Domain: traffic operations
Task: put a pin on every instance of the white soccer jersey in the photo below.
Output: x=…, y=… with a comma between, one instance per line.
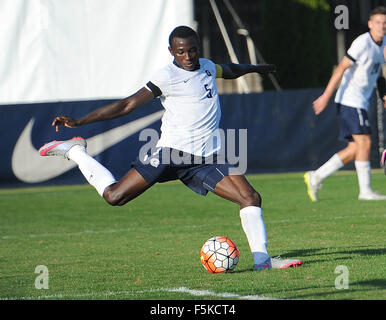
x=192, y=108
x=358, y=81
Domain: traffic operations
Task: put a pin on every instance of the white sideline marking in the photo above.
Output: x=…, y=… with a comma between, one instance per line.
x=201, y=293
x=197, y=293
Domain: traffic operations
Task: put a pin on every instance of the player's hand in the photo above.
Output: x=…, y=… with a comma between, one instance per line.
x=266, y=68
x=384, y=101
x=320, y=104
x=64, y=121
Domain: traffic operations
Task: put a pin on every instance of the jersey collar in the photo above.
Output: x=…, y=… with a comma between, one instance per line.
x=379, y=44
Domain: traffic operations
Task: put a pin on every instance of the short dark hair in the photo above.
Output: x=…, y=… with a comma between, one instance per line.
x=378, y=10
x=182, y=32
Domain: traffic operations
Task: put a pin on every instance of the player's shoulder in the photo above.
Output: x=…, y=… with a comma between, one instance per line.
x=162, y=74
x=211, y=65
x=366, y=39
x=166, y=69
x=363, y=39
x=360, y=45
x=204, y=62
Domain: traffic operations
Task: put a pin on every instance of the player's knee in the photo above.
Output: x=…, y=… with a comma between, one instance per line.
x=352, y=149
x=364, y=142
x=350, y=156
x=252, y=198
x=113, y=198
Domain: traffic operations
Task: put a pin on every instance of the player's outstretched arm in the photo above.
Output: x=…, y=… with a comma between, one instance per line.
x=321, y=103
x=233, y=70
x=113, y=110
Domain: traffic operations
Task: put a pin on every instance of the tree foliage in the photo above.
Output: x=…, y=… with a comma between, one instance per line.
x=296, y=35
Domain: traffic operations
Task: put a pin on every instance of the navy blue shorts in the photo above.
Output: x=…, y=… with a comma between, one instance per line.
x=352, y=121
x=198, y=173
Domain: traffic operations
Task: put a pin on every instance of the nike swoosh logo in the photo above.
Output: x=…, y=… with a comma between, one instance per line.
x=29, y=166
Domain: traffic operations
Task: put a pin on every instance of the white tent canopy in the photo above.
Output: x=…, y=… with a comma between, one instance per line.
x=55, y=50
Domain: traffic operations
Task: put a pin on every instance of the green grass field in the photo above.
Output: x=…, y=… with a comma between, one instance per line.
x=149, y=248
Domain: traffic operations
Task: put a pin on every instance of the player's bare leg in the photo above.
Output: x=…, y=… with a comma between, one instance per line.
x=348, y=154
x=237, y=189
x=115, y=192
x=313, y=179
x=363, y=142
x=363, y=168
x=126, y=189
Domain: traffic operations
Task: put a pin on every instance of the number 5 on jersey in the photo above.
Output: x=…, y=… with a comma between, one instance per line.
x=209, y=95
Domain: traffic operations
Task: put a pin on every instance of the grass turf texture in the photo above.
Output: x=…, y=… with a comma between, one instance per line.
x=149, y=247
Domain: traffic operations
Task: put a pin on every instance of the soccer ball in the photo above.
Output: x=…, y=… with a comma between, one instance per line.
x=219, y=254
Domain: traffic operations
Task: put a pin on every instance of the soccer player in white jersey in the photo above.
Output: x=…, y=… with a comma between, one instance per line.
x=188, y=92
x=357, y=74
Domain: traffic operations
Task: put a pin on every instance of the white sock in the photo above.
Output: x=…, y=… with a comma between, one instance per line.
x=254, y=228
x=327, y=169
x=363, y=169
x=96, y=174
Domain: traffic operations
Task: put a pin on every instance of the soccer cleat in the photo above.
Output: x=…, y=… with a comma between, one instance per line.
x=263, y=266
x=312, y=185
x=278, y=263
x=61, y=148
x=383, y=161
x=371, y=196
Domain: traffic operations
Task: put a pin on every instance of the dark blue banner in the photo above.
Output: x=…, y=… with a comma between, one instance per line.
x=283, y=134
x=25, y=128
